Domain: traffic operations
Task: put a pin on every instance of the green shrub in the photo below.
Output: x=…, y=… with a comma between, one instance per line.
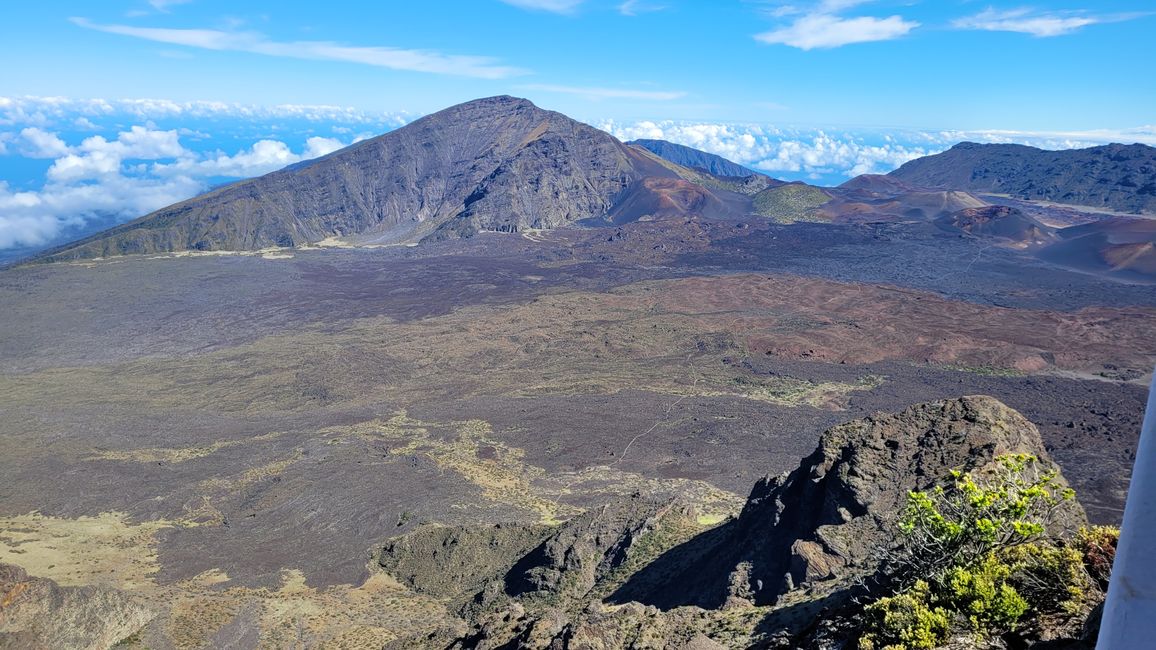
x=984, y=594
x=1051, y=577
x=961, y=524
x=977, y=554
x=905, y=620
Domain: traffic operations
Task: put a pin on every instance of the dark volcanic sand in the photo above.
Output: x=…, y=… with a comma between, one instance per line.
x=334, y=498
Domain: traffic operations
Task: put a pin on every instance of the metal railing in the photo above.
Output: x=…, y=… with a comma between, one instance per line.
x=1130, y=607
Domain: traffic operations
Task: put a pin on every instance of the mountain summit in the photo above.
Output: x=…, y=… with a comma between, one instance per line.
x=1115, y=176
x=495, y=164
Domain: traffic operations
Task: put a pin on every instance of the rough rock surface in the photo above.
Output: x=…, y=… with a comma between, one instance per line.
x=822, y=521
x=772, y=577
x=447, y=561
x=1116, y=176
x=38, y=613
x=499, y=164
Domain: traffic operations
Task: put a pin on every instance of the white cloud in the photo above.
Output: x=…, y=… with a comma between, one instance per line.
x=636, y=7
x=1053, y=139
x=256, y=43
x=41, y=144
x=164, y=5
x=97, y=178
x=44, y=111
x=553, y=6
x=97, y=157
x=837, y=156
x=823, y=30
x=607, y=93
x=316, y=147
x=1026, y=21
x=35, y=218
x=263, y=157
x=773, y=150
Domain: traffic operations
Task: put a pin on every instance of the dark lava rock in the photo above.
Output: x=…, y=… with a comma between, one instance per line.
x=823, y=522
x=802, y=542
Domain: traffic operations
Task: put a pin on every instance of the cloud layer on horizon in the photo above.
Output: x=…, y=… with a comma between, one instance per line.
x=42, y=111
x=108, y=159
x=100, y=159
x=834, y=155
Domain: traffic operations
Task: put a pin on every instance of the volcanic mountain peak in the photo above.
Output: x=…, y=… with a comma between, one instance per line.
x=499, y=163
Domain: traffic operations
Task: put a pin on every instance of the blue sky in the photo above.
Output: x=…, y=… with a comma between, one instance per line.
x=817, y=90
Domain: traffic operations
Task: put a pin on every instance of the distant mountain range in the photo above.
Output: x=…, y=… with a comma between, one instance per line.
x=502, y=164
x=1115, y=176
x=693, y=158
x=499, y=164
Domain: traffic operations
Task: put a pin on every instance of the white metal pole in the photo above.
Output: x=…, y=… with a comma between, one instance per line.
x=1130, y=608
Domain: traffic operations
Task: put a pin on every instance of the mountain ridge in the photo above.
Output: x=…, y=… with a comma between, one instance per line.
x=1114, y=176
x=499, y=163
x=693, y=158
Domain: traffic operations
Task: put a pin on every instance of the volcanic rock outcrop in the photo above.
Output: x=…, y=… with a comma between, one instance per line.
x=622, y=577
x=38, y=613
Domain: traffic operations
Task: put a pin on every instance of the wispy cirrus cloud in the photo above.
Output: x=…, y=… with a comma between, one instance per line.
x=608, y=93
x=428, y=61
x=552, y=6
x=638, y=7
x=1037, y=23
x=165, y=5
x=823, y=26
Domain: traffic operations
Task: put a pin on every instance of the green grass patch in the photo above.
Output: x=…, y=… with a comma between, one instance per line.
x=790, y=203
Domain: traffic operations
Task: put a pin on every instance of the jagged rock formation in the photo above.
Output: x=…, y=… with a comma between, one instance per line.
x=693, y=158
x=822, y=521
x=38, y=613
x=629, y=576
x=499, y=163
x=1116, y=176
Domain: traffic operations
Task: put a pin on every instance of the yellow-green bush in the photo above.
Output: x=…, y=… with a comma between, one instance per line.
x=984, y=594
x=906, y=620
x=976, y=554
x=1052, y=577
